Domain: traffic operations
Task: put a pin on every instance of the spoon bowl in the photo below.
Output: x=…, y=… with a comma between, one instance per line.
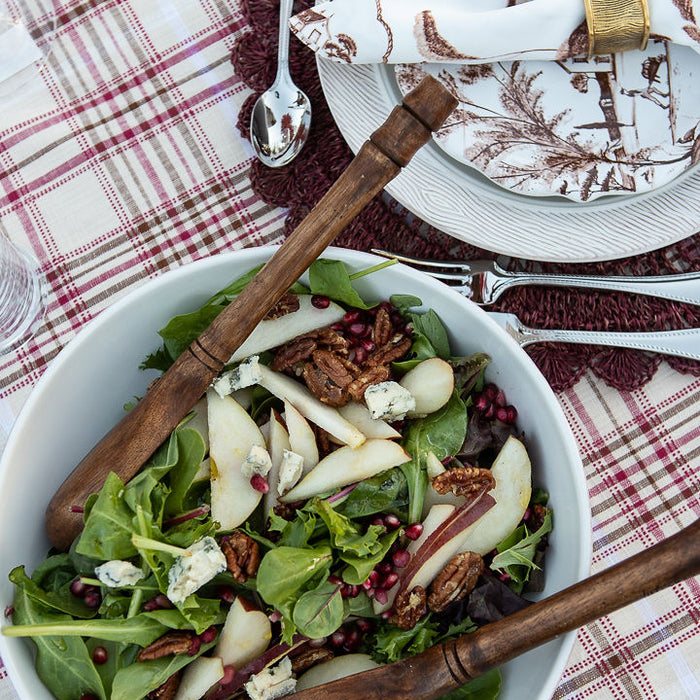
x=279, y=124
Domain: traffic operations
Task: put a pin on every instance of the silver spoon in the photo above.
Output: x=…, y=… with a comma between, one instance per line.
x=281, y=116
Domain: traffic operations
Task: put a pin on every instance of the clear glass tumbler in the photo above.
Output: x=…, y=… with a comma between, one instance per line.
x=21, y=295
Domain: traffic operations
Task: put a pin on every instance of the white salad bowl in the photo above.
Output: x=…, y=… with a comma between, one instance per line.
x=82, y=395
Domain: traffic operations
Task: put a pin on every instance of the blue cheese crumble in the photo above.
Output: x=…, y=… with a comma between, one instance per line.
x=389, y=401
x=273, y=682
x=118, y=573
x=245, y=375
x=258, y=461
x=197, y=566
x=291, y=469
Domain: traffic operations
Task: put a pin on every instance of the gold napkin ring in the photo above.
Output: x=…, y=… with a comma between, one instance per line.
x=616, y=25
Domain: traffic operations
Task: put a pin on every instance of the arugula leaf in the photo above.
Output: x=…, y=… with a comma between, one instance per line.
x=108, y=527
x=345, y=535
x=443, y=433
x=63, y=664
x=392, y=643
x=517, y=552
x=61, y=599
x=295, y=533
x=319, y=612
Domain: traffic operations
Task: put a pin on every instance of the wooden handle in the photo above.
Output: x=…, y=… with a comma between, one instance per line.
x=135, y=438
x=445, y=667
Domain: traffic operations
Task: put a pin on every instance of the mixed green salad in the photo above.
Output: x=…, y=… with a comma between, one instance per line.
x=348, y=493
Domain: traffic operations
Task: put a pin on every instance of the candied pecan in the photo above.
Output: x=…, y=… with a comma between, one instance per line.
x=339, y=370
x=242, y=555
x=536, y=520
x=175, y=642
x=464, y=481
x=409, y=607
x=330, y=340
x=373, y=375
x=310, y=657
x=323, y=387
x=168, y=690
x=390, y=352
x=456, y=580
x=288, y=355
x=383, y=328
x=286, y=305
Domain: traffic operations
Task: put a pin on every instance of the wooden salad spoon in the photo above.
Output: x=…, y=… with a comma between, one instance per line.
x=448, y=666
x=126, y=447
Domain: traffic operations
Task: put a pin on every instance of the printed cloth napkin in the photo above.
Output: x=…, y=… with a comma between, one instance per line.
x=469, y=31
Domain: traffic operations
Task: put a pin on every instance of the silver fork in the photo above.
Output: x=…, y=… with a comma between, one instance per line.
x=683, y=343
x=483, y=281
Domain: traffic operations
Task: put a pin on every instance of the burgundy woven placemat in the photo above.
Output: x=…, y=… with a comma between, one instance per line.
x=386, y=224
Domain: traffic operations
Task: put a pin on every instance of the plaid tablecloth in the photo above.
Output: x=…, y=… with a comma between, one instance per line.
x=122, y=161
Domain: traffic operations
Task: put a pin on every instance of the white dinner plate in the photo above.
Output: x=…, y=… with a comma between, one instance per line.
x=462, y=202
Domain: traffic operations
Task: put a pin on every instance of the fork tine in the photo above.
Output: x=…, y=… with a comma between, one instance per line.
x=416, y=262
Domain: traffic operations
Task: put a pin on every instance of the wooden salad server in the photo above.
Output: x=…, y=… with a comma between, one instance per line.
x=135, y=438
x=448, y=666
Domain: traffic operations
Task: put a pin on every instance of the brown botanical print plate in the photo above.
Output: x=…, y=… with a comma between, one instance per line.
x=619, y=124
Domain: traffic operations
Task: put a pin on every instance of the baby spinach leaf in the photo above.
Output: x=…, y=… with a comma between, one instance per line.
x=108, y=528
x=330, y=278
x=190, y=453
x=319, y=612
x=404, y=302
x=284, y=571
x=430, y=326
x=442, y=433
x=63, y=664
x=61, y=599
x=386, y=492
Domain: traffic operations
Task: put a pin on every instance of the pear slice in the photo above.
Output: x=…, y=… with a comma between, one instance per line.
x=326, y=417
x=345, y=466
x=301, y=436
x=245, y=635
x=513, y=474
x=431, y=383
x=232, y=433
x=359, y=415
x=273, y=332
x=199, y=676
x=278, y=442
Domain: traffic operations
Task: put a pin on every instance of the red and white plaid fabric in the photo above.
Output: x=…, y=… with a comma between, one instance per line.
x=122, y=161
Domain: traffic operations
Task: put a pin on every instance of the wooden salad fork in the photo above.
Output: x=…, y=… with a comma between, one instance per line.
x=135, y=438
x=448, y=666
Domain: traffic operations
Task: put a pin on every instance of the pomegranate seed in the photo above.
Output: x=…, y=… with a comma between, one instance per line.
x=351, y=317
x=338, y=328
x=275, y=616
x=78, y=588
x=99, y=655
x=163, y=601
x=414, y=531
x=335, y=580
x=500, y=399
x=353, y=640
x=259, y=483
x=93, y=599
x=338, y=638
x=378, y=521
x=89, y=696
x=490, y=412
x=384, y=567
x=359, y=356
x=9, y=611
x=512, y=414
x=209, y=635
x=229, y=674
x=391, y=521
x=386, y=305
x=527, y=514
x=396, y=318
x=353, y=591
x=481, y=403
x=390, y=580
x=359, y=330
x=367, y=585
x=369, y=593
x=504, y=577
x=77, y=509
x=150, y=606
x=320, y=302
x=368, y=345
x=386, y=615
x=195, y=646
x=363, y=625
x=381, y=595
x=400, y=557
x=491, y=391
